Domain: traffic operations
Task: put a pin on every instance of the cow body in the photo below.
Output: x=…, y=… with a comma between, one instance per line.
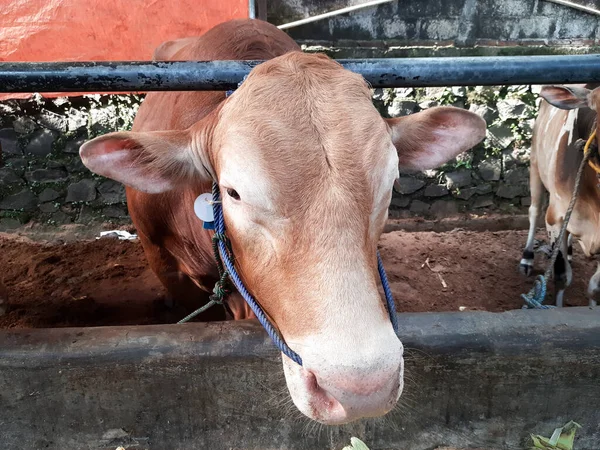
x=305, y=165
x=559, y=136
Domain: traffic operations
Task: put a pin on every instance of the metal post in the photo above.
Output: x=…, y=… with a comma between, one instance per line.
x=223, y=75
x=261, y=9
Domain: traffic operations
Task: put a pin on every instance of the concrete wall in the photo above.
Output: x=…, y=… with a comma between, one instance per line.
x=457, y=22
x=473, y=380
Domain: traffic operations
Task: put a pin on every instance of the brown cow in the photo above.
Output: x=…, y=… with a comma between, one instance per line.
x=305, y=165
x=566, y=119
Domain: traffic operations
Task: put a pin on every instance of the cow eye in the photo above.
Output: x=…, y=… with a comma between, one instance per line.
x=233, y=194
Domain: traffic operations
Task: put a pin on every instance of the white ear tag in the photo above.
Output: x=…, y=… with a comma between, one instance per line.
x=203, y=207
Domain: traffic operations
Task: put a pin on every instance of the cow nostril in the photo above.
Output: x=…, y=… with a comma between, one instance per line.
x=314, y=386
x=311, y=381
x=319, y=393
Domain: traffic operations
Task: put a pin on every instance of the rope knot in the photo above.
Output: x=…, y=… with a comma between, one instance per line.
x=220, y=290
x=218, y=236
x=535, y=298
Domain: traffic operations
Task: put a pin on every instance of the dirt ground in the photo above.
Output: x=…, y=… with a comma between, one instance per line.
x=107, y=281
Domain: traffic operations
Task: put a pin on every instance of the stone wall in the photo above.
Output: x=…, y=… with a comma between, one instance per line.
x=494, y=176
x=42, y=177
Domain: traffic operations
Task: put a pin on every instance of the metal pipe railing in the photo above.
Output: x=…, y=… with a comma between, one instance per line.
x=222, y=75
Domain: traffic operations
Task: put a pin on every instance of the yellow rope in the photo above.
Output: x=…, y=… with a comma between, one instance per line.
x=586, y=149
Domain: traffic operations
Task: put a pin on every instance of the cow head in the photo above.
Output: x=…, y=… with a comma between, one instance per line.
x=306, y=166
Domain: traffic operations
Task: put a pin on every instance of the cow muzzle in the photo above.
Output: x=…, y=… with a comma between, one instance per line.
x=339, y=388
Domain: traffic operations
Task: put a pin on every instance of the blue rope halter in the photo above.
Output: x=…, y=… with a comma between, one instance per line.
x=230, y=272
x=225, y=254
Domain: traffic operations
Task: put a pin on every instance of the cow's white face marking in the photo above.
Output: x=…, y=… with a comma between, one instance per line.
x=553, y=111
x=569, y=125
x=242, y=169
x=361, y=337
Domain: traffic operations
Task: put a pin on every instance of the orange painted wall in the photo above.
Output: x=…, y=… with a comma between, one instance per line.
x=103, y=30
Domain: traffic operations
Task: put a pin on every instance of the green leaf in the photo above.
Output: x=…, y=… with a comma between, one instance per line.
x=356, y=444
x=567, y=436
x=562, y=438
x=541, y=442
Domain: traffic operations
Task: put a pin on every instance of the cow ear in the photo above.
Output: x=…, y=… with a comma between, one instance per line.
x=167, y=50
x=430, y=138
x=565, y=97
x=151, y=162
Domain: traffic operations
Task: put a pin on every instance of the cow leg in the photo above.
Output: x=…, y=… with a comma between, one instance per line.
x=562, y=269
x=561, y=277
x=570, y=248
x=594, y=288
x=537, y=194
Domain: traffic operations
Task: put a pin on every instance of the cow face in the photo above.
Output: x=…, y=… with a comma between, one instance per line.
x=306, y=167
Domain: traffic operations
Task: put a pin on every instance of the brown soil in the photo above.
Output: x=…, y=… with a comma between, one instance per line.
x=107, y=282
x=480, y=270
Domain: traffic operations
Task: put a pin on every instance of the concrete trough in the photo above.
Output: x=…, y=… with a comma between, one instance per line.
x=474, y=380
